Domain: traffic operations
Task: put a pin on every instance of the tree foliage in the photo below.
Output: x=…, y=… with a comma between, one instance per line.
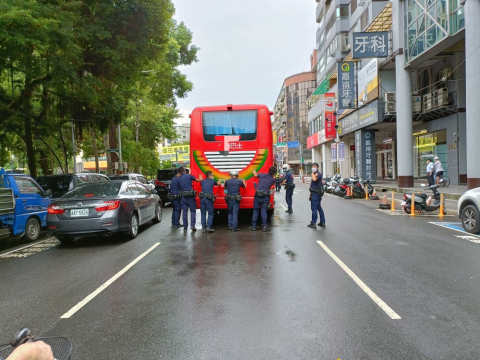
x=88, y=63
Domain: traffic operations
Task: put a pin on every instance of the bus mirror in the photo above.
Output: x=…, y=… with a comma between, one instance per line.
x=271, y=113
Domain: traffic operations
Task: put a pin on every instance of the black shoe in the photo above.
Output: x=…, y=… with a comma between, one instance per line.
x=253, y=228
x=290, y=211
x=194, y=229
x=312, y=226
x=322, y=225
x=178, y=226
x=210, y=230
x=287, y=211
x=185, y=230
x=236, y=229
x=265, y=229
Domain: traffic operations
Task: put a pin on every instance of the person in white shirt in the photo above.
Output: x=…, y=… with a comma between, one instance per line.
x=438, y=169
x=430, y=169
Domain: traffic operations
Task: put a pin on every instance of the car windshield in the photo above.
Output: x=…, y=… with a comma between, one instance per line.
x=94, y=190
x=119, y=177
x=230, y=123
x=58, y=184
x=165, y=174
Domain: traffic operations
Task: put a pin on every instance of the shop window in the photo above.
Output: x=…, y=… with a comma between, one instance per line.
x=427, y=146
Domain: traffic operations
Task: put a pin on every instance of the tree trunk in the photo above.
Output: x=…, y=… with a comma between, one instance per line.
x=64, y=148
x=95, y=149
x=32, y=165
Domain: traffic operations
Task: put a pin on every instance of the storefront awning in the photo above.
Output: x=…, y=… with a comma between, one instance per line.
x=325, y=84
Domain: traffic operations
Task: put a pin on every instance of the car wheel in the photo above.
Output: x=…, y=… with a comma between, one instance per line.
x=133, y=230
x=32, y=229
x=158, y=214
x=471, y=219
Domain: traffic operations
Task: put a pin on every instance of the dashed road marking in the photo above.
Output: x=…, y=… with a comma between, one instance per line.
x=375, y=298
x=31, y=249
x=106, y=284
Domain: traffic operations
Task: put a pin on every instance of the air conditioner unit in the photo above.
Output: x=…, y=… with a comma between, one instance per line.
x=416, y=104
x=427, y=102
x=442, y=97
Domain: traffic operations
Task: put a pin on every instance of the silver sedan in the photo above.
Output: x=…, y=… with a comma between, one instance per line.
x=103, y=209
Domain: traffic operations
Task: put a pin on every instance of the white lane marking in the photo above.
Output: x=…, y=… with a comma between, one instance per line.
x=23, y=247
x=30, y=249
x=382, y=304
x=106, y=284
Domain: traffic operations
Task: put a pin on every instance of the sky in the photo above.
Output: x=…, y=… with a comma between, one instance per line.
x=247, y=48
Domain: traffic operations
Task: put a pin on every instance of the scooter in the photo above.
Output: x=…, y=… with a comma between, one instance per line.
x=423, y=202
x=357, y=187
x=370, y=190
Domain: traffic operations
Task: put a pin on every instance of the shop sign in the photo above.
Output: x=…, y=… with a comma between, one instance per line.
x=321, y=137
x=333, y=154
x=293, y=144
x=341, y=151
x=330, y=122
x=281, y=144
x=361, y=118
x=368, y=82
x=312, y=140
x=370, y=44
x=346, y=85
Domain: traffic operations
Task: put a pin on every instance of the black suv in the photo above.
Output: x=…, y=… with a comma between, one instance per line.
x=162, y=184
x=61, y=184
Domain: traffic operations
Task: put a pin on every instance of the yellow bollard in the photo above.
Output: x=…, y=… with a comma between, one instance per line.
x=365, y=188
x=393, y=202
x=412, y=207
x=441, y=214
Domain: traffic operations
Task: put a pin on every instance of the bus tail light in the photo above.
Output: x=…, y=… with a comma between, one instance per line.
x=108, y=205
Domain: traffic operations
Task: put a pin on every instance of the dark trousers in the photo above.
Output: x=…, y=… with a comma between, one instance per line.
x=189, y=204
x=260, y=205
x=176, y=211
x=278, y=186
x=206, y=207
x=316, y=203
x=288, y=197
x=431, y=179
x=233, y=208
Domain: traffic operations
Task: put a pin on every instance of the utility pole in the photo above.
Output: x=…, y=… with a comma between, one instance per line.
x=74, y=148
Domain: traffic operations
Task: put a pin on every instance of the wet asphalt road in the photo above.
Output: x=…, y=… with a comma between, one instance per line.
x=247, y=295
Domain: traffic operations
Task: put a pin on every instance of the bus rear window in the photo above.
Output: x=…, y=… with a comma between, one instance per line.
x=217, y=124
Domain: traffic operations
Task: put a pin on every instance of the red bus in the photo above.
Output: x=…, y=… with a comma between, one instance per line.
x=231, y=138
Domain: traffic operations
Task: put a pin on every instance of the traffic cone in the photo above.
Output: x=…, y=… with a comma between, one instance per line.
x=384, y=205
x=349, y=193
x=374, y=195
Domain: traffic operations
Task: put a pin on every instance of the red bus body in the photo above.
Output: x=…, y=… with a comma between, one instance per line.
x=223, y=153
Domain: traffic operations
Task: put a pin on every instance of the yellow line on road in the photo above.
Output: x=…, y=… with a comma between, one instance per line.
x=106, y=284
x=382, y=304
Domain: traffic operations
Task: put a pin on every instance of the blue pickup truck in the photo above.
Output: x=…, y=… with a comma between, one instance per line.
x=23, y=206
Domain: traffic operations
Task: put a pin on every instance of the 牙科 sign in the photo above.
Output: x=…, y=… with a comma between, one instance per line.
x=370, y=44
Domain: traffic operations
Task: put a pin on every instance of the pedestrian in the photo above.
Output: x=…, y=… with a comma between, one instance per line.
x=316, y=194
x=207, y=199
x=188, y=199
x=176, y=198
x=278, y=182
x=438, y=168
x=262, y=197
x=233, y=197
x=430, y=168
x=289, y=187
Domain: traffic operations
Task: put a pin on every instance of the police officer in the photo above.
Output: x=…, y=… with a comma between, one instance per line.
x=232, y=190
x=289, y=186
x=262, y=197
x=206, y=201
x=278, y=182
x=316, y=193
x=175, y=196
x=188, y=199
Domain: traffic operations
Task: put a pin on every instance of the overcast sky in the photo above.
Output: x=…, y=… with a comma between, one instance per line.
x=247, y=48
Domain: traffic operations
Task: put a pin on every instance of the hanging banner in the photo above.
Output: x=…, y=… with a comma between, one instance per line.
x=341, y=151
x=365, y=155
x=346, y=85
x=333, y=154
x=370, y=44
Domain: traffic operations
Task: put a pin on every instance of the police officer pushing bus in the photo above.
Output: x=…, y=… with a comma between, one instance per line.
x=206, y=202
x=289, y=187
x=233, y=197
x=316, y=194
x=188, y=199
x=262, y=197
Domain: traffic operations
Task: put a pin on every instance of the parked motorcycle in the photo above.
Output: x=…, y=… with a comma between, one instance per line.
x=423, y=202
x=370, y=190
x=358, y=191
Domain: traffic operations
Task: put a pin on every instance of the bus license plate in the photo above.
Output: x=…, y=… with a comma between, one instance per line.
x=79, y=212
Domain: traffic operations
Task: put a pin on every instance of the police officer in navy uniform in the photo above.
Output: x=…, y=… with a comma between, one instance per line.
x=175, y=196
x=232, y=197
x=206, y=201
x=316, y=194
x=188, y=199
x=262, y=197
x=289, y=186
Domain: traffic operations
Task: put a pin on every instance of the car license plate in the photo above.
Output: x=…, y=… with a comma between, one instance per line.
x=79, y=212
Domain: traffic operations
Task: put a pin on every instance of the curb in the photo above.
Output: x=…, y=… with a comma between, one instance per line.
x=379, y=188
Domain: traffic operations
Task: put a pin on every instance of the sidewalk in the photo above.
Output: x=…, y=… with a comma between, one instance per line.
x=452, y=192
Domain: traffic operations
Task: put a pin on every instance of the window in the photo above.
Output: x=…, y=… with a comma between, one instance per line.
x=224, y=123
x=27, y=186
x=94, y=191
x=342, y=11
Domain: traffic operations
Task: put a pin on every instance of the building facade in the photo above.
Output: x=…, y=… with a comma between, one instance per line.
x=291, y=121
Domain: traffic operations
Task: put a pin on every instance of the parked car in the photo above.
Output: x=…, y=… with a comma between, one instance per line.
x=119, y=206
x=61, y=184
x=23, y=206
x=135, y=177
x=468, y=210
x=162, y=183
